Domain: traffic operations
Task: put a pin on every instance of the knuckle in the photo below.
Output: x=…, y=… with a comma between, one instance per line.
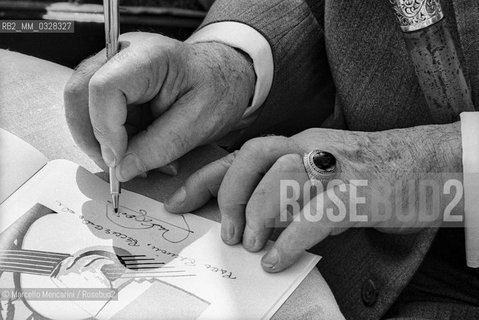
x=98, y=83
x=100, y=132
x=310, y=131
x=227, y=161
x=78, y=84
x=131, y=34
x=86, y=68
x=252, y=146
x=170, y=46
x=288, y=162
x=264, y=145
x=89, y=66
x=199, y=177
x=75, y=90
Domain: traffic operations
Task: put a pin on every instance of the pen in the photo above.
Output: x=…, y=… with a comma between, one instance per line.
x=112, y=32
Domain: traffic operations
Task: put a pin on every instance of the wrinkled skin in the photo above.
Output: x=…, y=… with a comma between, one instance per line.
x=247, y=184
x=156, y=100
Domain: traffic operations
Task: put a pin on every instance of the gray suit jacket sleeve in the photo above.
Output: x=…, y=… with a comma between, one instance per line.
x=294, y=30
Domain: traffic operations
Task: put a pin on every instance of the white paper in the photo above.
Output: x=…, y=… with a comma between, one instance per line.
x=16, y=170
x=200, y=277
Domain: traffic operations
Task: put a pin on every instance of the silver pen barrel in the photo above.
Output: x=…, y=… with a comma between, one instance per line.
x=115, y=189
x=112, y=26
x=111, y=10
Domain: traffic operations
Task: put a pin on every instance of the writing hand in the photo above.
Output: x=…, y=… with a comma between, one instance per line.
x=247, y=185
x=155, y=100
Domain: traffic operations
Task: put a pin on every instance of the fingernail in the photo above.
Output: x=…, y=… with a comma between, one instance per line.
x=173, y=169
x=108, y=156
x=169, y=169
x=227, y=231
x=177, y=198
x=271, y=259
x=130, y=167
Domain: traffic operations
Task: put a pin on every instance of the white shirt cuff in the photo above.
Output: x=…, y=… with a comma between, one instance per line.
x=241, y=36
x=470, y=162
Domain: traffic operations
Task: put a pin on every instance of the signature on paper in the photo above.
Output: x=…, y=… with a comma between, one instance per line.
x=131, y=219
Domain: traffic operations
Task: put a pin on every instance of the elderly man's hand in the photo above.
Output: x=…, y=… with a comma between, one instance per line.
x=155, y=100
x=248, y=186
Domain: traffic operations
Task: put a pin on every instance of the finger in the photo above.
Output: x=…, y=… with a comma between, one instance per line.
x=178, y=131
x=170, y=169
x=76, y=107
x=317, y=220
x=253, y=160
x=200, y=186
x=264, y=206
x=130, y=77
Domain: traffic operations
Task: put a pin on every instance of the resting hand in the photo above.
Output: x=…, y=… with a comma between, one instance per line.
x=247, y=184
x=155, y=100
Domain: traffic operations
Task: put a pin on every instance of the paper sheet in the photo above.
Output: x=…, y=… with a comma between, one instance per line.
x=200, y=277
x=15, y=171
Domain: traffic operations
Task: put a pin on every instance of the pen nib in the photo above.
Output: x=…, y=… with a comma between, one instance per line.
x=116, y=202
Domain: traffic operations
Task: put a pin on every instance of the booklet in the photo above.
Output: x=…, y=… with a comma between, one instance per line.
x=65, y=253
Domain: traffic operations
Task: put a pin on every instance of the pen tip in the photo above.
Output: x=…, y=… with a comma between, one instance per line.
x=116, y=202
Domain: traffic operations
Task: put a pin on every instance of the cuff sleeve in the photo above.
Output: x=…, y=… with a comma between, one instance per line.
x=470, y=161
x=241, y=36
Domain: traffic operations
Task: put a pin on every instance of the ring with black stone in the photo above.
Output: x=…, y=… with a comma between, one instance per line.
x=320, y=165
